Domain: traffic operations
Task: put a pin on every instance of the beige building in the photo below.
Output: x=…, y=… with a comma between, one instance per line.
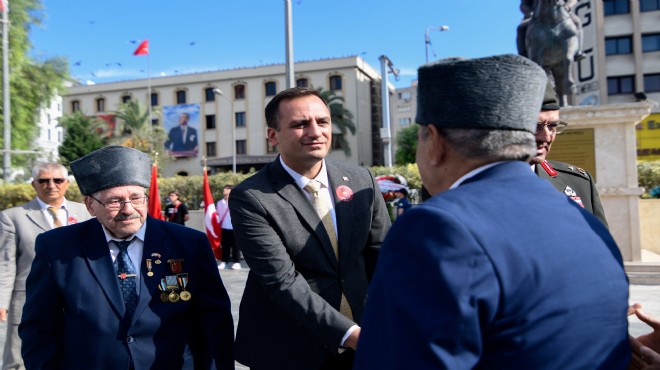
x=245, y=93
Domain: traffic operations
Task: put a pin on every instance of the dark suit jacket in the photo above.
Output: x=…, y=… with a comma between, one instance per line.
x=289, y=316
x=579, y=181
x=73, y=316
x=502, y=272
x=175, y=139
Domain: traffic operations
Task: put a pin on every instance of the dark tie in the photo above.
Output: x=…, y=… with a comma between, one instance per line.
x=126, y=275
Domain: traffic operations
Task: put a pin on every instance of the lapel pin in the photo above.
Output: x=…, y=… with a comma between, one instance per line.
x=344, y=178
x=157, y=255
x=344, y=193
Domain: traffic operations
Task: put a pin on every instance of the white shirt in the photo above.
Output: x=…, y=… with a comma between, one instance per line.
x=62, y=213
x=223, y=211
x=134, y=250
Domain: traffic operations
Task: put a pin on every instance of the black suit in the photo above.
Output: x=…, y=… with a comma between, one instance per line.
x=289, y=316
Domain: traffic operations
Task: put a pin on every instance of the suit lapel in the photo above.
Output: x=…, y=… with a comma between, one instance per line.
x=553, y=180
x=97, y=253
x=34, y=214
x=284, y=185
x=343, y=212
x=156, y=247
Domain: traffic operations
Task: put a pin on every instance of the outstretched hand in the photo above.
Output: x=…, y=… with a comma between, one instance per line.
x=645, y=348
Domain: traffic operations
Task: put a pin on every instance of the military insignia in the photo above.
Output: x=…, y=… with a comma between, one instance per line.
x=176, y=265
x=570, y=192
x=149, y=265
x=548, y=168
x=157, y=256
x=578, y=201
x=344, y=193
x=582, y=171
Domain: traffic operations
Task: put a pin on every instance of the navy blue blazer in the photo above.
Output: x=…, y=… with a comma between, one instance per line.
x=502, y=272
x=74, y=312
x=175, y=139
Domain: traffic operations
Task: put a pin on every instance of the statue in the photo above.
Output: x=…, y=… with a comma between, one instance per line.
x=551, y=35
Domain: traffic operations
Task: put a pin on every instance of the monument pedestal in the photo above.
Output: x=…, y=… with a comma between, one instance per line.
x=615, y=166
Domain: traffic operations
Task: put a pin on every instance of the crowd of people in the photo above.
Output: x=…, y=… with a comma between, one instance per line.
x=514, y=263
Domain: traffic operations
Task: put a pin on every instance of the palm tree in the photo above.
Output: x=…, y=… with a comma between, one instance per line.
x=341, y=118
x=134, y=129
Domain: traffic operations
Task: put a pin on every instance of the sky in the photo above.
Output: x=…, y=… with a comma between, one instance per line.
x=98, y=37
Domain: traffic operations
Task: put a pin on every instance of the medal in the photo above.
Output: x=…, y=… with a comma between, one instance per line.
x=157, y=255
x=176, y=265
x=185, y=295
x=164, y=296
x=162, y=286
x=148, y=263
x=183, y=282
x=173, y=297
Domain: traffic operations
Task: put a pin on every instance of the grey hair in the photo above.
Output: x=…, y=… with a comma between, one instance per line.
x=49, y=167
x=494, y=145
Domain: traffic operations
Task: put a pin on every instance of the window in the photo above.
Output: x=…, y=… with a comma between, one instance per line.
x=335, y=83
x=210, y=149
x=620, y=85
x=154, y=99
x=649, y=5
x=271, y=88
x=154, y=121
x=241, y=146
x=239, y=92
x=302, y=82
x=613, y=7
x=270, y=148
x=240, y=119
x=100, y=105
x=75, y=106
x=209, y=94
x=651, y=42
x=405, y=121
x=210, y=121
x=125, y=99
x=618, y=45
x=181, y=97
x=652, y=82
x=337, y=140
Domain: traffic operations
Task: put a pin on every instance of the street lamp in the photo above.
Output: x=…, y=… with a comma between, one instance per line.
x=219, y=92
x=427, y=39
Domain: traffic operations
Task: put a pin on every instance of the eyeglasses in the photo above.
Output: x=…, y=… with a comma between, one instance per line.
x=553, y=127
x=116, y=204
x=56, y=181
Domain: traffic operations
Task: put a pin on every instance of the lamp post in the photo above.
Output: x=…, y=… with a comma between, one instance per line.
x=219, y=92
x=385, y=132
x=427, y=39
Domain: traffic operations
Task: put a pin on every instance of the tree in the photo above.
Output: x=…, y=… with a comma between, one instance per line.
x=81, y=136
x=134, y=130
x=406, y=141
x=341, y=118
x=32, y=83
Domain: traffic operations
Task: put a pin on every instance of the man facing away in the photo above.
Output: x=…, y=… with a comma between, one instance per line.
x=124, y=291
x=571, y=180
x=309, y=229
x=230, y=251
x=509, y=273
x=19, y=227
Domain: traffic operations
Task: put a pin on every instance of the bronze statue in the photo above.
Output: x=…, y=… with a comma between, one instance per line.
x=551, y=35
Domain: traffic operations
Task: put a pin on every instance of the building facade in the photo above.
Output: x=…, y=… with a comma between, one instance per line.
x=215, y=101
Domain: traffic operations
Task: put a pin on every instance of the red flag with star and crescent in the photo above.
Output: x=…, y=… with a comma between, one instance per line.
x=211, y=221
x=154, y=197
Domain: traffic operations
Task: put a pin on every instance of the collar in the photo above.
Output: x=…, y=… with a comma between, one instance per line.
x=302, y=181
x=139, y=234
x=45, y=206
x=473, y=173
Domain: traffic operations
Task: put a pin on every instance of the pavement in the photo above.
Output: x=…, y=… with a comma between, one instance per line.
x=234, y=280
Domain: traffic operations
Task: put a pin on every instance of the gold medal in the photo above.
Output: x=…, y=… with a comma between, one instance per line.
x=173, y=297
x=185, y=295
x=157, y=262
x=164, y=297
x=150, y=273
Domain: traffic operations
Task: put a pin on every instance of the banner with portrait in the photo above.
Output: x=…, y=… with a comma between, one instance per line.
x=181, y=122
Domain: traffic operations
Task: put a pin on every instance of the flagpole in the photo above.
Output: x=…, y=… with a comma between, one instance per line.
x=151, y=128
x=6, y=103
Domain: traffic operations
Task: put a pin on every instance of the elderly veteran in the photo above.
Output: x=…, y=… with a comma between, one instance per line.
x=509, y=273
x=124, y=290
x=571, y=180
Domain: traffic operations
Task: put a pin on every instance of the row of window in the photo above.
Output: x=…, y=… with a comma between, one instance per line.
x=270, y=89
x=239, y=118
x=623, y=44
x=626, y=84
x=612, y=7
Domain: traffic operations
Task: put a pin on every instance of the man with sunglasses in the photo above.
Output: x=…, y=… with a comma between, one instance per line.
x=19, y=227
x=571, y=180
x=124, y=290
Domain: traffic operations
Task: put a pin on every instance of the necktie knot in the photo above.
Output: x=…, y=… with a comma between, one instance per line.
x=123, y=245
x=54, y=213
x=313, y=187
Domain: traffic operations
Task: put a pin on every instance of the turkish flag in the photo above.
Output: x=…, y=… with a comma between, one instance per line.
x=142, y=49
x=211, y=221
x=154, y=198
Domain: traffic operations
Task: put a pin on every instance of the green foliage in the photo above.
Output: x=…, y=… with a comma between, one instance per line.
x=406, y=145
x=190, y=187
x=341, y=118
x=80, y=137
x=32, y=83
x=12, y=195
x=648, y=173
x=134, y=130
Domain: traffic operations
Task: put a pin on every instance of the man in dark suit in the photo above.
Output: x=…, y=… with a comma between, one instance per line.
x=309, y=230
x=123, y=290
x=182, y=139
x=19, y=227
x=571, y=180
x=508, y=273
